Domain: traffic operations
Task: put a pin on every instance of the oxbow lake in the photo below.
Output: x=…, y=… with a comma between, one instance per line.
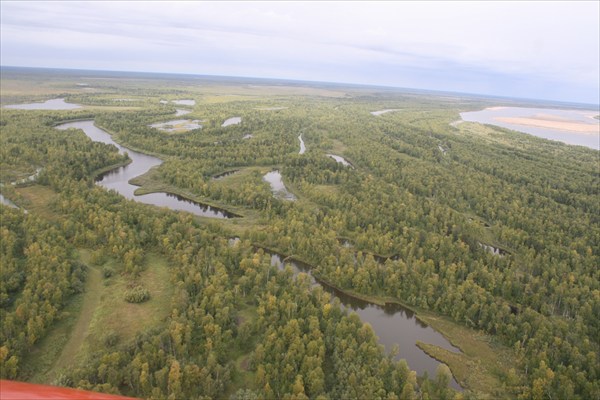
x=393, y=324
x=118, y=178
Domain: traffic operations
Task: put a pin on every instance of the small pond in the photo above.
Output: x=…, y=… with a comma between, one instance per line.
x=179, y=112
x=232, y=121
x=184, y=102
x=177, y=125
x=7, y=202
x=277, y=187
x=340, y=159
x=380, y=112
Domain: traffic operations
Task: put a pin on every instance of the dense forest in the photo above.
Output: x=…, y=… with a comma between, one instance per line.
x=411, y=220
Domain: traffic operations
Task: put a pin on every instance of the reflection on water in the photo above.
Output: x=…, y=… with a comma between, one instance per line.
x=380, y=112
x=302, y=146
x=340, y=159
x=277, y=187
x=224, y=174
x=179, y=112
x=393, y=324
x=560, y=118
x=7, y=202
x=54, y=104
x=118, y=178
x=184, y=102
x=177, y=125
x=232, y=121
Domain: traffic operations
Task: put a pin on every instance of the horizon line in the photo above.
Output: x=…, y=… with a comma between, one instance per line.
x=364, y=85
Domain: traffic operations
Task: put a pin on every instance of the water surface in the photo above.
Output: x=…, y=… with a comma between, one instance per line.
x=7, y=202
x=380, y=112
x=232, y=121
x=277, y=187
x=179, y=112
x=54, y=104
x=491, y=115
x=177, y=125
x=184, y=102
x=302, y=146
x=118, y=178
x=340, y=159
x=393, y=324
x=225, y=174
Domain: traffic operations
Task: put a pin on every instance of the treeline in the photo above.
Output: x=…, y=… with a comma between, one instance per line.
x=194, y=353
x=417, y=218
x=38, y=277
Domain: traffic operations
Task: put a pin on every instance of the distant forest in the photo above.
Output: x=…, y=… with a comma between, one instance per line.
x=489, y=235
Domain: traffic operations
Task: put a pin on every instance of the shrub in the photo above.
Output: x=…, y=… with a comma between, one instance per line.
x=107, y=272
x=137, y=294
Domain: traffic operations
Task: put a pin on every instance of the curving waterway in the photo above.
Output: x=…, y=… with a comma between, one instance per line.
x=340, y=160
x=278, y=188
x=232, y=121
x=118, y=178
x=393, y=324
x=302, y=146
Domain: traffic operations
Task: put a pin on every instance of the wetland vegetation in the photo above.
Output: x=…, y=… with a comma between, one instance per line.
x=486, y=236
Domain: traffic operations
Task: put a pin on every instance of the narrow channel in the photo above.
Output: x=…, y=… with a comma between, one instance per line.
x=118, y=178
x=393, y=324
x=302, y=146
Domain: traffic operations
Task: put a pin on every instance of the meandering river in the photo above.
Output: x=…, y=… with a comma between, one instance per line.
x=393, y=324
x=118, y=178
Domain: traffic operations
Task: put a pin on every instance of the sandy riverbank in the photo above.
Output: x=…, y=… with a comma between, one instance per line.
x=553, y=123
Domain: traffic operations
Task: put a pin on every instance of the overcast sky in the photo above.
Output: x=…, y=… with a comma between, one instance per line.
x=545, y=50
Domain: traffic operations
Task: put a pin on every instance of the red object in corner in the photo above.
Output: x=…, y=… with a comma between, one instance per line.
x=12, y=390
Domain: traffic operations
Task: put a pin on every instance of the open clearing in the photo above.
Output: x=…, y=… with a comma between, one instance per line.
x=116, y=318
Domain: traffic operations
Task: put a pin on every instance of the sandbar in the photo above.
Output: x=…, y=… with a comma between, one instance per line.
x=552, y=123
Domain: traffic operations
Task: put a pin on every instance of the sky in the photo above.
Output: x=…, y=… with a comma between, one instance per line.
x=538, y=50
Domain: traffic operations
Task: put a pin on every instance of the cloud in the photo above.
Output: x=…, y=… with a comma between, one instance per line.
x=552, y=42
